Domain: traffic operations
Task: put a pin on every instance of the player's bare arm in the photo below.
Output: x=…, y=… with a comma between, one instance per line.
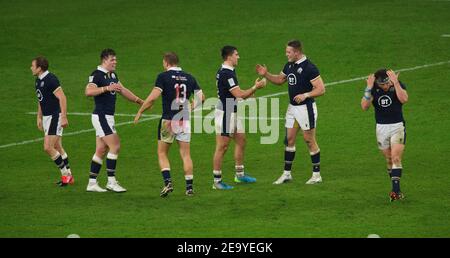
x=244, y=94
x=39, y=118
x=92, y=89
x=367, y=98
x=318, y=90
x=402, y=95
x=59, y=93
x=148, y=103
x=277, y=79
x=130, y=95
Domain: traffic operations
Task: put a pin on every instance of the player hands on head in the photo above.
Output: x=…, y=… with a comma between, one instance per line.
x=387, y=95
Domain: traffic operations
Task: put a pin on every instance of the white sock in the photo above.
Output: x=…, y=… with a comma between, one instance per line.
x=64, y=156
x=239, y=170
x=217, y=173
x=112, y=180
x=287, y=173
x=64, y=171
x=92, y=181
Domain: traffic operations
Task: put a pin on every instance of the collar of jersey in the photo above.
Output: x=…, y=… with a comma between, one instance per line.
x=42, y=76
x=100, y=68
x=175, y=68
x=227, y=67
x=303, y=59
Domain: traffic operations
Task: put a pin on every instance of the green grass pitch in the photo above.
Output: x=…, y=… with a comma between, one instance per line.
x=345, y=39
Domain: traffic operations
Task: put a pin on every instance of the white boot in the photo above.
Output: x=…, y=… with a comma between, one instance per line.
x=284, y=178
x=115, y=187
x=94, y=187
x=315, y=179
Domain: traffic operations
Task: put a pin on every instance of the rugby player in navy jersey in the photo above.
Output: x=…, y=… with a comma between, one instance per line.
x=304, y=85
x=227, y=124
x=52, y=116
x=387, y=95
x=176, y=87
x=104, y=85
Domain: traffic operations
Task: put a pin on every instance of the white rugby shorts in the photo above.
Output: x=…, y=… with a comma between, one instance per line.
x=304, y=116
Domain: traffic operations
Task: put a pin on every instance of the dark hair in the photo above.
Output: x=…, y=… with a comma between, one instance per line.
x=381, y=76
x=171, y=58
x=296, y=44
x=106, y=53
x=41, y=62
x=227, y=51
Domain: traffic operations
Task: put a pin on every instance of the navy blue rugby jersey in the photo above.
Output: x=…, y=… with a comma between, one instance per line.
x=226, y=80
x=105, y=103
x=298, y=76
x=388, y=109
x=46, y=84
x=176, y=88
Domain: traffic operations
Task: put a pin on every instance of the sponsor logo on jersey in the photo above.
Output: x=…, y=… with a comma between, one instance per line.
x=384, y=101
x=39, y=95
x=292, y=79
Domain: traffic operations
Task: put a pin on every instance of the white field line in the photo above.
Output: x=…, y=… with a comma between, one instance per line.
x=72, y=133
x=89, y=114
x=445, y=35
x=364, y=77
x=153, y=117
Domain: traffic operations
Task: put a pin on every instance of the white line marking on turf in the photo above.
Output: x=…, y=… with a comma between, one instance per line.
x=68, y=134
x=364, y=77
x=158, y=116
x=152, y=117
x=445, y=35
x=89, y=114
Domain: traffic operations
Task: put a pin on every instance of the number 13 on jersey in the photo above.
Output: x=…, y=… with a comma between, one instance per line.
x=180, y=90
